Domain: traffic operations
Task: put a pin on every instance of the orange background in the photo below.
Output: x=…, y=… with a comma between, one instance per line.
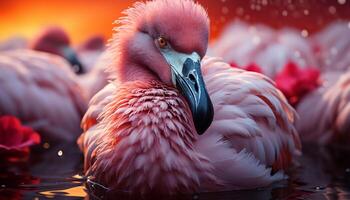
x=84, y=18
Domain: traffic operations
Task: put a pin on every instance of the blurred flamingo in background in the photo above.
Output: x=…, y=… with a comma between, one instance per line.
x=332, y=47
x=140, y=131
x=85, y=57
x=270, y=49
x=325, y=112
x=41, y=90
x=56, y=41
x=90, y=51
x=91, y=54
x=12, y=43
x=310, y=72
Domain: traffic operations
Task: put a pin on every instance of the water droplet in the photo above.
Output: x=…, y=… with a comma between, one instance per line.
x=257, y=7
x=304, y=33
x=347, y=170
x=319, y=188
x=224, y=10
x=264, y=2
x=332, y=10
x=341, y=2
x=239, y=11
x=252, y=7
x=256, y=40
x=60, y=153
x=3, y=186
x=285, y=13
x=46, y=145
x=195, y=197
x=306, y=12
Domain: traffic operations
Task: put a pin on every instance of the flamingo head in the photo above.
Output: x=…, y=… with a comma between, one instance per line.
x=56, y=41
x=168, y=39
x=94, y=43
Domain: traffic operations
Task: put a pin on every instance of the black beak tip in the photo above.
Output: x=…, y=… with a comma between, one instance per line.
x=204, y=119
x=71, y=56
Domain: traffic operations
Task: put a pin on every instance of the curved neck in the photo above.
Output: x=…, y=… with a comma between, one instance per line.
x=130, y=71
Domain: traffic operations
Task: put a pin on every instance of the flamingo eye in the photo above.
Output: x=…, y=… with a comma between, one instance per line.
x=162, y=42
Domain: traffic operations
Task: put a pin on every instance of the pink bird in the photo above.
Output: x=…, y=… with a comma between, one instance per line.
x=325, y=112
x=90, y=51
x=56, y=41
x=141, y=130
x=84, y=58
x=41, y=90
x=13, y=43
x=270, y=49
x=91, y=54
x=332, y=47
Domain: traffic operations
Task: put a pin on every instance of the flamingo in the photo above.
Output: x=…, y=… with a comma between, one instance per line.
x=12, y=43
x=56, y=41
x=161, y=126
x=270, y=49
x=41, y=90
x=90, y=51
x=329, y=119
x=332, y=47
x=91, y=54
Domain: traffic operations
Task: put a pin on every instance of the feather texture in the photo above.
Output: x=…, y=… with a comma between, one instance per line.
x=41, y=91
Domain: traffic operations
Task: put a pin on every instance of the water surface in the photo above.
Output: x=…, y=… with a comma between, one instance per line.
x=56, y=172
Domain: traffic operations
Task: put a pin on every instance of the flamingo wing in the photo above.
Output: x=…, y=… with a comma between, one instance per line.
x=329, y=118
x=252, y=138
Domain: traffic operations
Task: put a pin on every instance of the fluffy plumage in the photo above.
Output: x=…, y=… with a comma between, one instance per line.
x=138, y=131
x=40, y=89
x=252, y=131
x=270, y=49
x=325, y=112
x=332, y=47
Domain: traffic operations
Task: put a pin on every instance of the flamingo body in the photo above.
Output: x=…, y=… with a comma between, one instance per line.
x=252, y=132
x=41, y=90
x=329, y=119
x=332, y=47
x=270, y=49
x=141, y=131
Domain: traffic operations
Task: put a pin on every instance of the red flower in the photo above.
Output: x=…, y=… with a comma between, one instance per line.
x=250, y=67
x=16, y=139
x=295, y=82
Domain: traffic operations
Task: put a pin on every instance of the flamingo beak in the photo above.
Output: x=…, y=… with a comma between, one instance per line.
x=70, y=55
x=187, y=77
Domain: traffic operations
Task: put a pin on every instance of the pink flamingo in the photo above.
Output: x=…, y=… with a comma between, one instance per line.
x=84, y=59
x=90, y=51
x=91, y=54
x=328, y=120
x=140, y=131
x=56, y=41
x=13, y=43
x=332, y=47
x=270, y=49
x=41, y=90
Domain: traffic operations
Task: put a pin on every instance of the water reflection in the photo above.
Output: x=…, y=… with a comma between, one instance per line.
x=321, y=173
